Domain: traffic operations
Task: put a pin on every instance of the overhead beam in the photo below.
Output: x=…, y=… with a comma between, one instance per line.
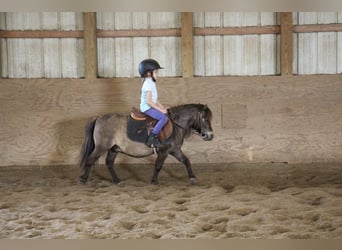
x=90, y=45
x=286, y=43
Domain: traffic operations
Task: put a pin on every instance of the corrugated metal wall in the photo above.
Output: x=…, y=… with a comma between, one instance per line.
x=119, y=57
x=40, y=58
x=236, y=54
x=314, y=53
x=320, y=52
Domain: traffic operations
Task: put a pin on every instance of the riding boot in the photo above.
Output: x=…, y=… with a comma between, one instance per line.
x=152, y=141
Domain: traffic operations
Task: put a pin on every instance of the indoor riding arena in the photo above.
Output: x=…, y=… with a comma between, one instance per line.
x=272, y=81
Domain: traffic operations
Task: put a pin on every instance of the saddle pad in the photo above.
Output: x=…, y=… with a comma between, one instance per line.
x=136, y=130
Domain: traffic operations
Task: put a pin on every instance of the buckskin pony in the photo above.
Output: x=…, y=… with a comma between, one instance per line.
x=108, y=133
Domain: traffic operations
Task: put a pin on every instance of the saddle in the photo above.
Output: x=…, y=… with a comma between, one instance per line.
x=140, y=125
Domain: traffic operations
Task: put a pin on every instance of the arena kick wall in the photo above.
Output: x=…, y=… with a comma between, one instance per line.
x=256, y=119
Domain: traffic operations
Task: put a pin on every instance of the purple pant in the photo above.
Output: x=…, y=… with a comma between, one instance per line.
x=160, y=116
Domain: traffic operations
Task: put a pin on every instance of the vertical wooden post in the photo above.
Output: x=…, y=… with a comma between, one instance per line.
x=0, y=58
x=187, y=44
x=90, y=45
x=286, y=43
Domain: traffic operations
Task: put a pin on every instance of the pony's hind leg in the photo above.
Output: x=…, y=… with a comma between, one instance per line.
x=111, y=155
x=94, y=156
x=158, y=166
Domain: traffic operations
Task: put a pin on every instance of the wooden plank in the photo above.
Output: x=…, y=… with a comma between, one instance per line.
x=90, y=46
x=139, y=33
x=312, y=28
x=286, y=44
x=251, y=30
x=41, y=34
x=187, y=45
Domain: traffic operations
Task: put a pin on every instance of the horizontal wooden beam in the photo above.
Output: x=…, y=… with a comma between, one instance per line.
x=251, y=30
x=138, y=33
x=310, y=28
x=209, y=31
x=40, y=34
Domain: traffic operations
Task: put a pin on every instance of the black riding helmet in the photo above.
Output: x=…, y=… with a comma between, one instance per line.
x=148, y=65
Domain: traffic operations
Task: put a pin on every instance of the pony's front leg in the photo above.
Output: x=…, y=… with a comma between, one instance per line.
x=180, y=156
x=162, y=155
x=111, y=155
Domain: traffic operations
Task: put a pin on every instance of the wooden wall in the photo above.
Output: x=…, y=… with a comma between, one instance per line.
x=256, y=119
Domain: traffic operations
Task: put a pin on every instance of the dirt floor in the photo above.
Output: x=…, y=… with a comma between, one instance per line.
x=229, y=201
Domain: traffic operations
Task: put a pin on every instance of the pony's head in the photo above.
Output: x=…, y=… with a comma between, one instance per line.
x=203, y=124
x=193, y=118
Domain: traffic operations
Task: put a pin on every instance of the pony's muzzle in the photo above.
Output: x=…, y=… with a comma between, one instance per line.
x=208, y=136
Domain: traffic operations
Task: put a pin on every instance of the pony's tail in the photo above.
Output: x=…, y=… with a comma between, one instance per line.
x=88, y=143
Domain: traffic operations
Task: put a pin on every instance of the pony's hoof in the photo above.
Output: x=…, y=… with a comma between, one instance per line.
x=156, y=183
x=82, y=181
x=193, y=180
x=120, y=183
